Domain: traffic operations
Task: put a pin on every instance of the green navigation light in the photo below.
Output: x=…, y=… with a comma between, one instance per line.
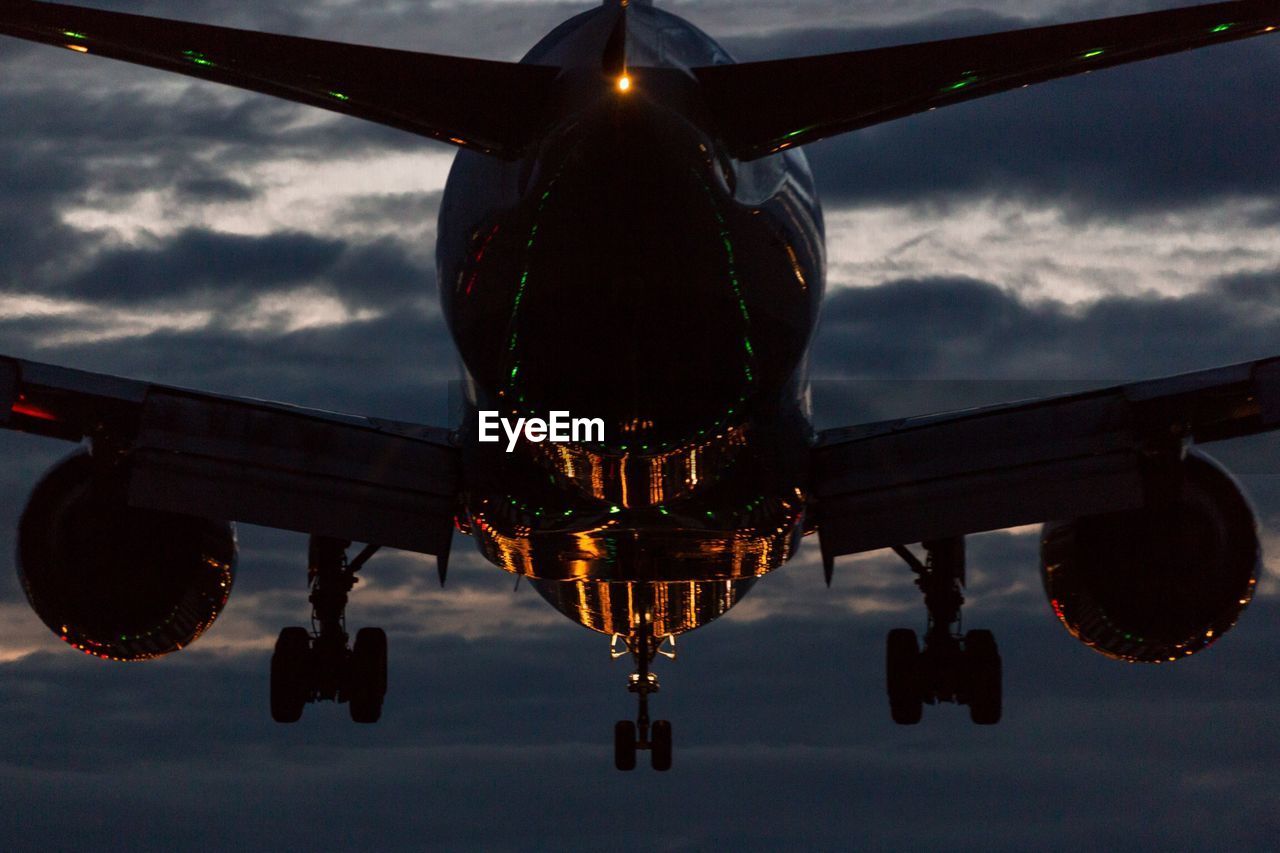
x=197, y=57
x=793, y=134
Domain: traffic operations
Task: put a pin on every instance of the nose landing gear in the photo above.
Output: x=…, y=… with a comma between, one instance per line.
x=316, y=665
x=964, y=669
x=628, y=736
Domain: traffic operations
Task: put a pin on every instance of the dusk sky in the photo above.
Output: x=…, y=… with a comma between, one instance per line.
x=1113, y=226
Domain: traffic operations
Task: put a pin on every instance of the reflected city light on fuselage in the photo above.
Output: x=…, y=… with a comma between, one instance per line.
x=669, y=608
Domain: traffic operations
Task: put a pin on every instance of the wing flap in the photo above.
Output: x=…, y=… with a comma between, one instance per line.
x=979, y=500
x=763, y=107
x=343, y=476
x=879, y=485
x=493, y=107
x=358, y=510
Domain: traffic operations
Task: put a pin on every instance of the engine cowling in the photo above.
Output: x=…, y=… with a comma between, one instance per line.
x=115, y=581
x=1159, y=583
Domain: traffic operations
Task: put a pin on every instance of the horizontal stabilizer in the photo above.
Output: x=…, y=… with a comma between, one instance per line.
x=763, y=107
x=494, y=107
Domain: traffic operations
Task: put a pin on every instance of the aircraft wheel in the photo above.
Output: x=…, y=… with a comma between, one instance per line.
x=624, y=745
x=290, y=675
x=368, y=675
x=983, y=676
x=660, y=745
x=902, y=677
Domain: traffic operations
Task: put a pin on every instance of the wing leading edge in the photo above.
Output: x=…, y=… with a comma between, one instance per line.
x=912, y=480
x=763, y=107
x=494, y=107
x=327, y=474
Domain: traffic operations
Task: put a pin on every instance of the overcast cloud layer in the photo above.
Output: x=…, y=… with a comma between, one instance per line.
x=1108, y=227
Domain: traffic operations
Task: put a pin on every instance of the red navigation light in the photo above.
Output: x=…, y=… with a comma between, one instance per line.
x=22, y=407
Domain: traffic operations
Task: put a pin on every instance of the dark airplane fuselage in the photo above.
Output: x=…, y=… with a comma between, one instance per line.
x=627, y=269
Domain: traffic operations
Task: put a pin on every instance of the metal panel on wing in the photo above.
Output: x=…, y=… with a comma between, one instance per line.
x=269, y=465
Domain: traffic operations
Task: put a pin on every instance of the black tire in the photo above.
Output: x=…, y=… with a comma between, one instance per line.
x=290, y=675
x=902, y=677
x=368, y=675
x=624, y=745
x=660, y=745
x=983, y=677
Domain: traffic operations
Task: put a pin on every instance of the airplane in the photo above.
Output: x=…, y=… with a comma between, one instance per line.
x=630, y=232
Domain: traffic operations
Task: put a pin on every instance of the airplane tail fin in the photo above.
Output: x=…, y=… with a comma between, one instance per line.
x=764, y=107
x=492, y=107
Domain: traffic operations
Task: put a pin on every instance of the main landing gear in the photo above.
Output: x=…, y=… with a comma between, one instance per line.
x=628, y=736
x=951, y=667
x=316, y=664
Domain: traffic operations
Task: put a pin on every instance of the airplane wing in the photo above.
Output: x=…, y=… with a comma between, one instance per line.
x=236, y=459
x=763, y=107
x=494, y=107
x=917, y=479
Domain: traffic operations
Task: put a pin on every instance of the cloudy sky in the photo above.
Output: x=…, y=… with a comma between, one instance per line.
x=1119, y=225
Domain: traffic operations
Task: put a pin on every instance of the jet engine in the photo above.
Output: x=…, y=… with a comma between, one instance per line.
x=1162, y=582
x=115, y=581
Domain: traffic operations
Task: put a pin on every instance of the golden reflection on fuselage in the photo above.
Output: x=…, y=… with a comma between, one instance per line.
x=639, y=479
x=702, y=511
x=630, y=609
x=655, y=544
x=722, y=505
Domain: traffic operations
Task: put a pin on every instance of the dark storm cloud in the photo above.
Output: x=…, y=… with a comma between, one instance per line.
x=198, y=258
x=210, y=190
x=962, y=328
x=84, y=121
x=1261, y=289
x=31, y=238
x=208, y=267
x=380, y=272
x=32, y=186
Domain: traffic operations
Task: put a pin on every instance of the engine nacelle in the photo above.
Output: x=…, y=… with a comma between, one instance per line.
x=115, y=581
x=1159, y=583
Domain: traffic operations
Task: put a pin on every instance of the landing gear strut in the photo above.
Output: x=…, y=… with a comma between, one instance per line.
x=952, y=667
x=316, y=665
x=628, y=736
